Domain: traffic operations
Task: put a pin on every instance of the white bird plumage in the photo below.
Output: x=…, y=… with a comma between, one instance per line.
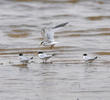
x=88, y=59
x=24, y=59
x=48, y=35
x=44, y=56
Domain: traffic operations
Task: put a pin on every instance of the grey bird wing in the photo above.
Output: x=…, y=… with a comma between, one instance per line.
x=48, y=34
x=51, y=32
x=43, y=33
x=60, y=25
x=93, y=58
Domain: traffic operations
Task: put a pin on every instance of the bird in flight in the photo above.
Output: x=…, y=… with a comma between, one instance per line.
x=48, y=35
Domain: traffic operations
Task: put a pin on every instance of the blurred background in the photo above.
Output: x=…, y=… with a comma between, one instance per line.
x=67, y=78
x=21, y=22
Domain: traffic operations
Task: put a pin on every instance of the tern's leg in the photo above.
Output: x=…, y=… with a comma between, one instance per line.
x=23, y=62
x=45, y=61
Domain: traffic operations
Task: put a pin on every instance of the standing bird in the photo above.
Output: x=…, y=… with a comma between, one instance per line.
x=48, y=35
x=24, y=59
x=88, y=59
x=44, y=56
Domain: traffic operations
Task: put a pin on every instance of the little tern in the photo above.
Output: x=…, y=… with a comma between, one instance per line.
x=48, y=35
x=88, y=59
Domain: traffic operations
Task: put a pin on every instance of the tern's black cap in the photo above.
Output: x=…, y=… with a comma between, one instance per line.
x=40, y=52
x=20, y=54
x=85, y=54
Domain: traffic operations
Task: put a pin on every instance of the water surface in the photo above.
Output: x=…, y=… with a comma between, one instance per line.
x=67, y=77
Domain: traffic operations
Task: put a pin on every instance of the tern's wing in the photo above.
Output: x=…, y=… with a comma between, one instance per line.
x=44, y=55
x=50, y=35
x=47, y=34
x=23, y=58
x=93, y=58
x=50, y=32
x=43, y=33
x=59, y=26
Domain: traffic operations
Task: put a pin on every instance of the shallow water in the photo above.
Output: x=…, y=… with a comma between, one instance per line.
x=67, y=77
